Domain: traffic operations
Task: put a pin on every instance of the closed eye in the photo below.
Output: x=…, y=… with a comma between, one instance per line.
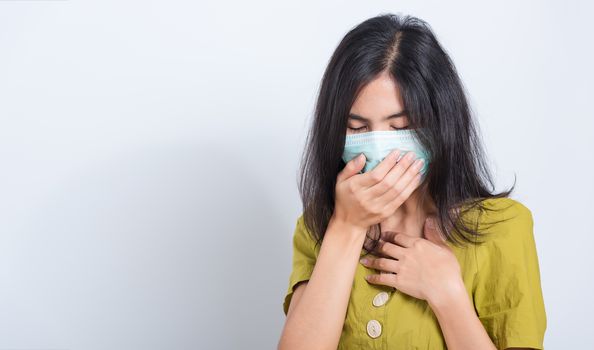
x=363, y=127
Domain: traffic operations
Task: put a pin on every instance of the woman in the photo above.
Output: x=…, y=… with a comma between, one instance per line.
x=449, y=263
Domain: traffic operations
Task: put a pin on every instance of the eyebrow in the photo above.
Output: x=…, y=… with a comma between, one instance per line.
x=396, y=115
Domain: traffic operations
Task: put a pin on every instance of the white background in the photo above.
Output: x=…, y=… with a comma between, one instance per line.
x=149, y=154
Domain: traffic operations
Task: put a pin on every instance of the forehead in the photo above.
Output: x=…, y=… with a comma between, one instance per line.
x=379, y=98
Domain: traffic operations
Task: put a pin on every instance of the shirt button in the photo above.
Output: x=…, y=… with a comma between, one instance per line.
x=380, y=298
x=374, y=328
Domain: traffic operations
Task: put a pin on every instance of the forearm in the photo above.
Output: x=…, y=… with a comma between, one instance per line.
x=317, y=320
x=458, y=321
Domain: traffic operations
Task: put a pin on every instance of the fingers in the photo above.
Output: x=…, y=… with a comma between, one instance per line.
x=399, y=193
x=398, y=177
x=387, y=279
x=390, y=249
x=404, y=240
x=351, y=168
x=378, y=173
x=382, y=264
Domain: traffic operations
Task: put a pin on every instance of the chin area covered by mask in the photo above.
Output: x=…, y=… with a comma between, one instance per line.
x=376, y=145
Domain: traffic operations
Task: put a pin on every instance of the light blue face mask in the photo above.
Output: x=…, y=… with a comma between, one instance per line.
x=376, y=145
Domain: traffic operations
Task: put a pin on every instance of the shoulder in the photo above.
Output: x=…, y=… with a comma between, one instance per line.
x=304, y=240
x=505, y=219
x=508, y=207
x=507, y=236
x=300, y=231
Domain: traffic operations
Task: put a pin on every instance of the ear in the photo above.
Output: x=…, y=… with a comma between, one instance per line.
x=433, y=233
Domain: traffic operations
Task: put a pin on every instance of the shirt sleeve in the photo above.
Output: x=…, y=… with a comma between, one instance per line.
x=507, y=290
x=304, y=259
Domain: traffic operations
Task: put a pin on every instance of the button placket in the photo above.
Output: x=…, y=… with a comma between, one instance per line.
x=374, y=326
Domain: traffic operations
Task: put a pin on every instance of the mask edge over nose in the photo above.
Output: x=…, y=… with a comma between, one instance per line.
x=376, y=145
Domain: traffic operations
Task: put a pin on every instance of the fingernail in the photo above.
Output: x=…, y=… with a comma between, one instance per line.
x=363, y=261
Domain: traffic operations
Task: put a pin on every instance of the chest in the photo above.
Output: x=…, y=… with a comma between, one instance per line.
x=381, y=317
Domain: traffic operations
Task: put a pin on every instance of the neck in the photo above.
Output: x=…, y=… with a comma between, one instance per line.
x=410, y=217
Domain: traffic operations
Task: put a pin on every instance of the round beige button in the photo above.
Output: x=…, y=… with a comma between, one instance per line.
x=374, y=328
x=380, y=298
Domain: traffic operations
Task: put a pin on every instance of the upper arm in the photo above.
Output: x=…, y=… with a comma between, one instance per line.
x=299, y=289
x=303, y=262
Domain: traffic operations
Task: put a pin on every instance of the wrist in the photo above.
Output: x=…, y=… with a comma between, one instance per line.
x=346, y=230
x=452, y=295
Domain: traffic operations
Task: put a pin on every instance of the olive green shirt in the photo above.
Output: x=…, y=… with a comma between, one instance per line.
x=501, y=276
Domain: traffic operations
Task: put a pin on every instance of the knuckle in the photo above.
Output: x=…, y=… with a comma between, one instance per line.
x=400, y=197
x=402, y=165
x=380, y=246
x=408, y=190
x=389, y=249
x=411, y=158
x=398, y=188
x=376, y=176
x=351, y=186
x=393, y=188
x=389, y=279
x=381, y=263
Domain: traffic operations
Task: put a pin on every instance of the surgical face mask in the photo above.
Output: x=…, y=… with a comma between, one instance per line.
x=376, y=145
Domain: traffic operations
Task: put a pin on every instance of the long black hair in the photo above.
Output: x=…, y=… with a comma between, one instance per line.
x=435, y=99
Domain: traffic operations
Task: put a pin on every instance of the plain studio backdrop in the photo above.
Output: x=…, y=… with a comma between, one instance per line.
x=149, y=154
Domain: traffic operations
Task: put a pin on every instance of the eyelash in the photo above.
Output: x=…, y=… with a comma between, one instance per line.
x=359, y=128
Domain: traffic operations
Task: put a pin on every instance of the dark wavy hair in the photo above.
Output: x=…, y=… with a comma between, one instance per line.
x=435, y=100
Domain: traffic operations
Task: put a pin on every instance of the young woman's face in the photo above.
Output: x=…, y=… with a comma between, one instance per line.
x=378, y=107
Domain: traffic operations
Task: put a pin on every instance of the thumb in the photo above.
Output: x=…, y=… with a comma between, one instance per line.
x=432, y=232
x=352, y=167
